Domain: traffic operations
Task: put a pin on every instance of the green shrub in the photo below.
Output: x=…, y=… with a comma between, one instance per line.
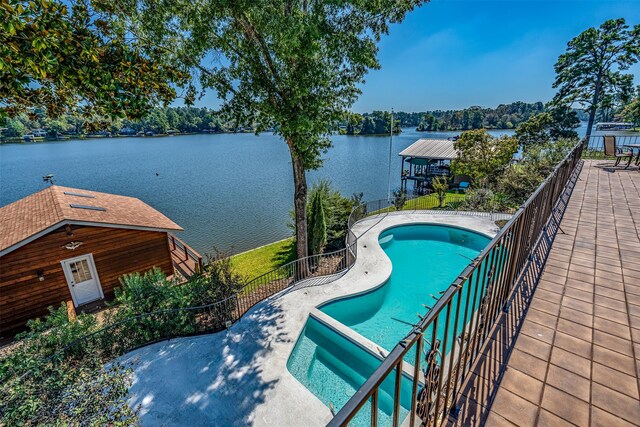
x=56, y=373
x=317, y=225
x=440, y=187
x=519, y=181
x=337, y=209
x=44, y=385
x=481, y=199
x=399, y=198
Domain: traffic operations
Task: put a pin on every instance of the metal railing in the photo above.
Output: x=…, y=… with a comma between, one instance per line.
x=445, y=342
x=414, y=202
x=185, y=253
x=147, y=328
x=594, y=147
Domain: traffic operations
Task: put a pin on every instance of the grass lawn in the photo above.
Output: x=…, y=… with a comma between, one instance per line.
x=262, y=260
x=432, y=199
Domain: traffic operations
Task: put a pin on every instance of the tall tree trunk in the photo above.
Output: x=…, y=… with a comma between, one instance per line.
x=300, y=207
x=593, y=109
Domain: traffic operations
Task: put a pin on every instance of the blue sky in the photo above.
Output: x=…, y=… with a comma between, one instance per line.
x=452, y=54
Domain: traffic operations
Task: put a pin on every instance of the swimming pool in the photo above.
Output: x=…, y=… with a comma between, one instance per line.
x=426, y=259
x=333, y=367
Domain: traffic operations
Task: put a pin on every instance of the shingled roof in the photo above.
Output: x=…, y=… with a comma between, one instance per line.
x=35, y=215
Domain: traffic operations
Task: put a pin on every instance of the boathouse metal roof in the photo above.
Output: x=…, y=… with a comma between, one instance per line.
x=436, y=149
x=36, y=215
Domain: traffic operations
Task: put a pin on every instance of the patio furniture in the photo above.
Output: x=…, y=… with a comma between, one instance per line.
x=610, y=150
x=463, y=186
x=634, y=147
x=460, y=183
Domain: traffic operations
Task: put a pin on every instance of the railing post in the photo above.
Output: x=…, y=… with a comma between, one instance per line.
x=515, y=256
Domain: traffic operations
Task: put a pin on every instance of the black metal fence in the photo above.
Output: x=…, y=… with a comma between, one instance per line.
x=129, y=334
x=134, y=332
x=446, y=341
x=420, y=203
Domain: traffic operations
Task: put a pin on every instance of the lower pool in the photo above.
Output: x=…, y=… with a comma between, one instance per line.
x=333, y=368
x=426, y=259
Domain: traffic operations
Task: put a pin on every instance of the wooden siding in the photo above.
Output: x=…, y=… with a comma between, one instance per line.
x=115, y=252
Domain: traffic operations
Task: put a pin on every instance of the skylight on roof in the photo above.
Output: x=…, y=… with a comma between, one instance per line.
x=92, y=208
x=89, y=196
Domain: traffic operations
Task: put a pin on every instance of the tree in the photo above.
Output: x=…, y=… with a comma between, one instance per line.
x=440, y=187
x=631, y=111
x=564, y=121
x=295, y=65
x=559, y=121
x=481, y=156
x=354, y=121
x=317, y=225
x=534, y=131
x=591, y=69
x=57, y=57
x=336, y=208
x=15, y=127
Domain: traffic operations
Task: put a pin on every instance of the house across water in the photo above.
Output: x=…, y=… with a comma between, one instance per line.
x=69, y=245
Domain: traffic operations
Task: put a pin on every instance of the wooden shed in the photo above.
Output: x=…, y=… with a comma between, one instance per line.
x=70, y=245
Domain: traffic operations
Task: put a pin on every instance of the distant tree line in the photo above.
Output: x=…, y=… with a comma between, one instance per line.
x=157, y=121
x=374, y=123
x=504, y=116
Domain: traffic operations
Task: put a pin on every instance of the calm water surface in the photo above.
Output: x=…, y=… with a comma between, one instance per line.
x=230, y=191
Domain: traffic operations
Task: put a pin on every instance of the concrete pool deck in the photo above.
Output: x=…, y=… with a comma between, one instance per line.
x=239, y=376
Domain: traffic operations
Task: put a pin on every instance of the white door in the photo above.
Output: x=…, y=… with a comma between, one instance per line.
x=82, y=279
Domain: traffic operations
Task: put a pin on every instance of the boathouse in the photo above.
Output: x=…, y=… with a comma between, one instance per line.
x=427, y=158
x=70, y=245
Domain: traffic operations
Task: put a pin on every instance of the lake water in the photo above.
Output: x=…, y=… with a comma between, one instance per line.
x=229, y=191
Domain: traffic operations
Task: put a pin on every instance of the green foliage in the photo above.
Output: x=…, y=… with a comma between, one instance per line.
x=590, y=71
x=504, y=116
x=378, y=123
x=481, y=199
x=353, y=122
x=152, y=291
x=294, y=66
x=42, y=387
x=61, y=372
x=482, y=157
x=520, y=180
x=399, y=198
x=157, y=120
x=534, y=130
x=59, y=56
x=317, y=225
x=557, y=122
x=144, y=293
x=631, y=111
x=440, y=187
x=336, y=209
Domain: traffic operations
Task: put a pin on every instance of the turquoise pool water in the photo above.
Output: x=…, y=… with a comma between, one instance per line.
x=426, y=259
x=333, y=367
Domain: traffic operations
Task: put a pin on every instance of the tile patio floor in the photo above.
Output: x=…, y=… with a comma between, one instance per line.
x=575, y=357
